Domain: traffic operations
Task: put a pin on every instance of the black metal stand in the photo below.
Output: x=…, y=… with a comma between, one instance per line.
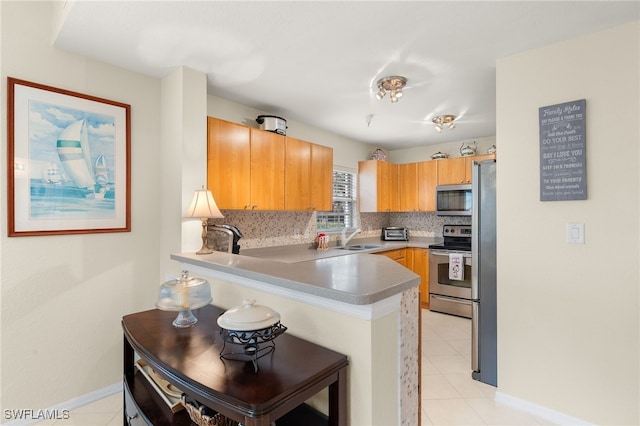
x=255, y=343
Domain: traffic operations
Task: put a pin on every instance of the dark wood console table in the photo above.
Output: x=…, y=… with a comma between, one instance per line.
x=189, y=359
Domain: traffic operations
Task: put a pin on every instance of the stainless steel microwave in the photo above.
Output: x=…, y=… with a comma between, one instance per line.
x=454, y=200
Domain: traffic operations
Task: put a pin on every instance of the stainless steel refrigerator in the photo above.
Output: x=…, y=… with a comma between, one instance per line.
x=483, y=274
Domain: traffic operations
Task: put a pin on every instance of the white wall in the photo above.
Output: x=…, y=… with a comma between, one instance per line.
x=62, y=297
x=568, y=315
x=184, y=161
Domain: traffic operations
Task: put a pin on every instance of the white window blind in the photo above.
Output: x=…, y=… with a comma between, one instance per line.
x=343, y=214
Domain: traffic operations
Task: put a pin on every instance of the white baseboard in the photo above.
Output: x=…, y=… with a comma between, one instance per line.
x=540, y=411
x=70, y=405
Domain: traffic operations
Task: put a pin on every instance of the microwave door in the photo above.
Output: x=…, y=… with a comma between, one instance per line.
x=454, y=200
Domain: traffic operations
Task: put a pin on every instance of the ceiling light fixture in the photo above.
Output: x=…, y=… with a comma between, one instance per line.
x=444, y=120
x=393, y=85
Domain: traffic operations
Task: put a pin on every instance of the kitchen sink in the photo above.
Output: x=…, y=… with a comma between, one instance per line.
x=360, y=247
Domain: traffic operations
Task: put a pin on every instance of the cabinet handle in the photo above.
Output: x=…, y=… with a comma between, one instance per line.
x=255, y=206
x=246, y=206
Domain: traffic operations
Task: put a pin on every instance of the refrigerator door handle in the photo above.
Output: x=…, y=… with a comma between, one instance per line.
x=475, y=230
x=475, y=366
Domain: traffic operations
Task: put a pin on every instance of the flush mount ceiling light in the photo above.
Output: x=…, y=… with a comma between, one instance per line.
x=444, y=120
x=393, y=85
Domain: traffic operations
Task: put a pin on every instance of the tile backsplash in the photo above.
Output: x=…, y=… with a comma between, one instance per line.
x=278, y=228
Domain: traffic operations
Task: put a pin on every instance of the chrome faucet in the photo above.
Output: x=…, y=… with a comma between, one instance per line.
x=345, y=240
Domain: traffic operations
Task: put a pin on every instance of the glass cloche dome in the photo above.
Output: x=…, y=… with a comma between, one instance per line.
x=183, y=295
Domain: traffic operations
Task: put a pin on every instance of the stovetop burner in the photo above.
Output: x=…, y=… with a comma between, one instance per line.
x=456, y=237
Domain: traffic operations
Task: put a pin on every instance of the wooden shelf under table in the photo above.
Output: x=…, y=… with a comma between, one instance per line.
x=189, y=359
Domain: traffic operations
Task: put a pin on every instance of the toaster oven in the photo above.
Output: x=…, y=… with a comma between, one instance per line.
x=395, y=233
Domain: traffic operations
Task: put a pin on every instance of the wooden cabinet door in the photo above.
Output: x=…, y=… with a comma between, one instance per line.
x=267, y=170
x=321, y=181
x=378, y=186
x=421, y=267
x=308, y=176
x=469, y=164
x=383, y=177
x=388, y=198
x=452, y=171
x=408, y=187
x=398, y=255
x=394, y=193
x=297, y=174
x=228, y=163
x=427, y=182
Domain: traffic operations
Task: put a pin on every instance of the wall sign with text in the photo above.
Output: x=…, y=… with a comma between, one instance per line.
x=563, y=171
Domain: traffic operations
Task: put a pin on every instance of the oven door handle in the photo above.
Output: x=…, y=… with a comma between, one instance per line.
x=452, y=300
x=446, y=253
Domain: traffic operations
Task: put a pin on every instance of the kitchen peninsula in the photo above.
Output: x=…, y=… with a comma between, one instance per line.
x=356, y=303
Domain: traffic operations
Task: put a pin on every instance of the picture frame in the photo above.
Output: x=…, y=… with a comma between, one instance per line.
x=68, y=162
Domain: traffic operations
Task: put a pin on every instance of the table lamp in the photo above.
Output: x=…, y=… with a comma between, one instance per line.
x=203, y=206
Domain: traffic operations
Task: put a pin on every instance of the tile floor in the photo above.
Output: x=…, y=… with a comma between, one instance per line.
x=449, y=395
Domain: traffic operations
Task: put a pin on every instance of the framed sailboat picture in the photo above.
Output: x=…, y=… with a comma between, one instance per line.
x=68, y=162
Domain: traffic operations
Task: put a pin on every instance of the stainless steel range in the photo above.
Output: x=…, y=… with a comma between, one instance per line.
x=450, y=289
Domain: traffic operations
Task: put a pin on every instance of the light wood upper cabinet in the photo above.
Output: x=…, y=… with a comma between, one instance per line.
x=455, y=171
x=378, y=186
x=321, y=182
x=247, y=169
x=427, y=182
x=267, y=170
x=245, y=166
x=452, y=171
x=229, y=163
x=308, y=176
x=408, y=187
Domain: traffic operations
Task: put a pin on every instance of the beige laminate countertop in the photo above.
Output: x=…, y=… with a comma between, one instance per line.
x=354, y=277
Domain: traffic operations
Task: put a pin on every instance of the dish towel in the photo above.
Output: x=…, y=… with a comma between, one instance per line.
x=456, y=266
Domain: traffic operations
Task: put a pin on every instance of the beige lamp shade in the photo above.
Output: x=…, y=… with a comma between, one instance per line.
x=203, y=205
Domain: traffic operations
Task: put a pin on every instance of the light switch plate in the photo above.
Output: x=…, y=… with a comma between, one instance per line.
x=575, y=233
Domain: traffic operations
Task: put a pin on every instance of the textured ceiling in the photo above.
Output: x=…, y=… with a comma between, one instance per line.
x=317, y=62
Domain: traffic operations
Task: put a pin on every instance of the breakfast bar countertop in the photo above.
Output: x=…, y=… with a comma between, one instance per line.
x=353, y=277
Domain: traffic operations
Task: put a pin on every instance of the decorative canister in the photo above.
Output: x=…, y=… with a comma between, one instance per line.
x=378, y=154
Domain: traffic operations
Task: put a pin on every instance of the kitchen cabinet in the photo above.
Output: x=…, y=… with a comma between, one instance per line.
x=398, y=255
x=245, y=166
x=408, y=187
x=252, y=169
x=427, y=182
x=451, y=171
x=378, y=186
x=228, y=163
x=417, y=186
x=420, y=266
x=308, y=176
x=455, y=171
x=267, y=170
x=417, y=260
